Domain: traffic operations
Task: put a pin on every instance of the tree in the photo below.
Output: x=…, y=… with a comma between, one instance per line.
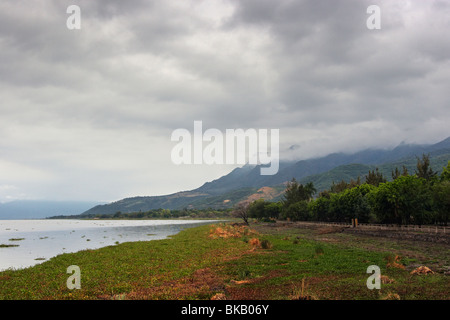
x=273, y=209
x=325, y=194
x=383, y=204
x=291, y=194
x=264, y=210
x=298, y=211
x=339, y=209
x=445, y=174
x=339, y=187
x=343, y=185
x=309, y=190
x=320, y=208
x=402, y=201
x=359, y=202
x=424, y=168
x=296, y=192
x=241, y=211
x=441, y=201
x=375, y=178
x=348, y=204
x=256, y=209
x=397, y=174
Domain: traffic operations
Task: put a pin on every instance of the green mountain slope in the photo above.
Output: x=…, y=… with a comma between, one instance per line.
x=244, y=182
x=349, y=172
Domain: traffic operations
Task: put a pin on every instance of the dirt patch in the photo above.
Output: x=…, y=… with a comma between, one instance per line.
x=266, y=193
x=403, y=235
x=252, y=250
x=230, y=231
x=312, y=288
x=247, y=293
x=328, y=230
x=206, y=284
x=422, y=248
x=252, y=289
x=206, y=277
x=202, y=284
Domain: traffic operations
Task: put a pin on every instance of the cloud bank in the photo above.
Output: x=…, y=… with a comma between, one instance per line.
x=87, y=114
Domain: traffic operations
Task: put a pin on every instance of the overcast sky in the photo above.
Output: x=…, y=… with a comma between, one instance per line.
x=87, y=114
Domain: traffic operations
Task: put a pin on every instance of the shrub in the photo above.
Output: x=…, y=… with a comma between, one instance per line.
x=298, y=211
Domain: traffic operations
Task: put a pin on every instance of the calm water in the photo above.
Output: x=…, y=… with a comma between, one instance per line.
x=44, y=239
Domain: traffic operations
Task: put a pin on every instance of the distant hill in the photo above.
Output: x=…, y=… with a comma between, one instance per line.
x=246, y=182
x=250, y=176
x=349, y=172
x=37, y=209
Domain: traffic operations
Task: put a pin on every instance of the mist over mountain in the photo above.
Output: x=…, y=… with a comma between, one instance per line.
x=249, y=176
x=242, y=183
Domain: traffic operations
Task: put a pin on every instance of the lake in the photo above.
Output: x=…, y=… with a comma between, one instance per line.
x=35, y=241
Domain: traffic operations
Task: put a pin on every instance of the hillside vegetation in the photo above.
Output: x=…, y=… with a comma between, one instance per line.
x=419, y=198
x=245, y=183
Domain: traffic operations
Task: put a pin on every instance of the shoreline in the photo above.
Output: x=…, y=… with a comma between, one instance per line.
x=222, y=261
x=43, y=239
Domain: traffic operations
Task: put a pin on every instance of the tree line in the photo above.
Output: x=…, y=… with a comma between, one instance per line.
x=155, y=214
x=419, y=198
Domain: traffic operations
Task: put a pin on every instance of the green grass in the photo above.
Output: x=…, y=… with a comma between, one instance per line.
x=337, y=271
x=308, y=259
x=191, y=265
x=133, y=266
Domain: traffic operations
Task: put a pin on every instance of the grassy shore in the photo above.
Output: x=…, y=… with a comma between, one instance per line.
x=221, y=261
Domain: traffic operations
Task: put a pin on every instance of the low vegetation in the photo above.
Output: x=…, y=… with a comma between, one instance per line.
x=233, y=261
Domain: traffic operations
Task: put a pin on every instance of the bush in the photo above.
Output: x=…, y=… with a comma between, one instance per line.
x=441, y=201
x=298, y=211
x=264, y=210
x=402, y=201
x=320, y=208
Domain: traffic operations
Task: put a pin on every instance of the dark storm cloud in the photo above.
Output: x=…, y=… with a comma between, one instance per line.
x=333, y=69
x=99, y=104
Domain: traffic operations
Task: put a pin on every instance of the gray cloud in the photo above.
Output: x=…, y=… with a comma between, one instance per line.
x=87, y=114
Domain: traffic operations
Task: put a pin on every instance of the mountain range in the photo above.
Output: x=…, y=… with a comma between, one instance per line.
x=246, y=183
